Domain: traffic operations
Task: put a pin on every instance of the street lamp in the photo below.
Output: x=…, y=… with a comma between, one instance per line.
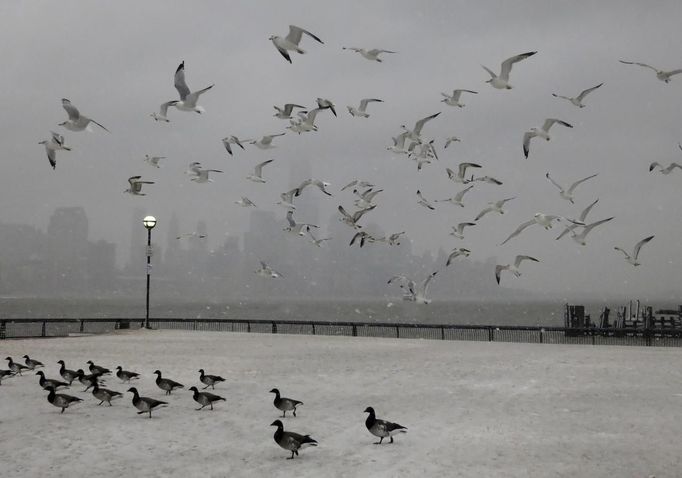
x=149, y=222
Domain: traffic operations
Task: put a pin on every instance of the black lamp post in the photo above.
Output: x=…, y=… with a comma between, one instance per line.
x=149, y=222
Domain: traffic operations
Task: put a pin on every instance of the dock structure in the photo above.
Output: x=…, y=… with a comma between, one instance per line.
x=630, y=319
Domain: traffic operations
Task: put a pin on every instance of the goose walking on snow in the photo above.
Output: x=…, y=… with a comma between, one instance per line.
x=188, y=99
x=88, y=380
x=166, y=384
x=291, y=41
x=567, y=194
x=501, y=82
x=578, y=100
x=205, y=399
x=633, y=259
x=145, y=404
x=16, y=367
x=285, y=404
x=96, y=369
x=291, y=441
x=52, y=145
x=104, y=394
x=540, y=132
x=453, y=99
x=361, y=111
x=662, y=75
x=77, y=121
x=371, y=55
x=68, y=375
x=382, y=428
x=126, y=375
x=513, y=268
x=49, y=382
x=209, y=380
x=32, y=364
x=61, y=400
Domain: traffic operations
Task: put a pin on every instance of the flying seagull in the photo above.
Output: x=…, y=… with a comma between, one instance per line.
x=201, y=175
x=632, y=259
x=316, y=241
x=358, y=183
x=415, y=133
x=153, y=160
x=493, y=207
x=501, y=82
x=544, y=220
x=321, y=185
x=581, y=218
x=453, y=99
x=399, y=144
x=267, y=271
x=291, y=41
x=136, y=186
x=52, y=145
x=266, y=141
x=456, y=253
x=567, y=194
x=450, y=140
x=306, y=122
x=245, y=202
x=229, y=140
x=423, y=201
x=460, y=177
x=514, y=268
x=297, y=228
x=76, y=121
x=162, y=115
x=578, y=100
x=458, y=230
x=324, y=104
x=457, y=199
x=285, y=113
x=363, y=106
x=188, y=100
x=662, y=75
x=372, y=55
x=411, y=292
x=191, y=235
x=352, y=220
x=257, y=176
x=541, y=132
x=581, y=238
x=667, y=170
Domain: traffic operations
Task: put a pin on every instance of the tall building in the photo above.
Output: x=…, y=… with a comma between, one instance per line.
x=67, y=249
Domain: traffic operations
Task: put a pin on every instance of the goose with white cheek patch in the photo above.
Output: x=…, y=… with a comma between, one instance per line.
x=284, y=404
x=205, y=399
x=209, y=380
x=291, y=441
x=382, y=428
x=145, y=404
x=166, y=384
x=61, y=400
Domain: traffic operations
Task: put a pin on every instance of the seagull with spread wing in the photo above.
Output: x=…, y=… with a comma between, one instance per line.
x=662, y=75
x=52, y=145
x=136, y=186
x=291, y=41
x=540, y=132
x=578, y=100
x=567, y=194
x=501, y=82
x=371, y=55
x=634, y=258
x=453, y=99
x=513, y=268
x=361, y=111
x=77, y=121
x=493, y=207
x=188, y=99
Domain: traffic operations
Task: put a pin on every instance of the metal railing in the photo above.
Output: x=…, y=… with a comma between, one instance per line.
x=26, y=328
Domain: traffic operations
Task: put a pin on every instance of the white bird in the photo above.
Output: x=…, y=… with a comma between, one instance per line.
x=136, y=186
x=285, y=113
x=456, y=253
x=321, y=185
x=458, y=231
x=423, y=201
x=633, y=259
x=257, y=176
x=460, y=177
x=266, y=141
x=544, y=220
x=457, y=199
x=666, y=170
x=191, y=235
x=162, y=115
x=291, y=41
x=413, y=293
x=297, y=228
x=450, y=140
x=153, y=160
x=229, y=140
x=399, y=144
x=361, y=237
x=501, y=82
x=581, y=238
x=493, y=207
x=393, y=239
x=194, y=168
x=287, y=201
x=453, y=100
x=578, y=100
x=188, y=100
x=372, y=55
x=366, y=198
x=581, y=218
x=361, y=111
x=245, y=202
x=541, y=132
x=352, y=220
x=77, y=121
x=567, y=194
x=487, y=179
x=513, y=268
x=306, y=123
x=202, y=175
x=267, y=271
x=358, y=183
x=415, y=133
x=316, y=241
x=660, y=74
x=325, y=104
x=52, y=145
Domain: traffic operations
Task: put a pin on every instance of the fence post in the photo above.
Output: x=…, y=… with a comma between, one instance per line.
x=274, y=327
x=355, y=330
x=81, y=327
x=248, y=327
x=3, y=330
x=541, y=332
x=397, y=332
x=194, y=325
x=442, y=333
x=43, y=329
x=490, y=334
x=313, y=329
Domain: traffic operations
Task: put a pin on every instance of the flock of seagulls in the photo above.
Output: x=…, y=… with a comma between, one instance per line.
x=410, y=142
x=93, y=381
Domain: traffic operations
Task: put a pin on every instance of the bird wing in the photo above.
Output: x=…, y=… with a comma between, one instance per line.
x=518, y=230
x=587, y=210
x=623, y=251
x=639, y=245
x=193, y=97
x=350, y=184
x=639, y=64
x=226, y=143
x=461, y=170
x=526, y=142
x=258, y=170
x=566, y=231
x=283, y=52
x=460, y=194
x=490, y=72
x=52, y=157
x=550, y=121
x=586, y=92
x=427, y=281
x=653, y=165
x=575, y=184
x=344, y=213
x=420, y=124
x=509, y=62
x=71, y=110
x=163, y=109
x=295, y=34
x=363, y=103
x=501, y=202
x=179, y=82
x=498, y=270
x=674, y=72
x=133, y=180
x=520, y=259
x=290, y=219
x=358, y=214
x=554, y=182
x=591, y=226
x=376, y=51
x=98, y=124
x=289, y=107
x=462, y=225
x=483, y=213
x=674, y=165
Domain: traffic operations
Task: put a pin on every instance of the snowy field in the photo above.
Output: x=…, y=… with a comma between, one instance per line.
x=473, y=409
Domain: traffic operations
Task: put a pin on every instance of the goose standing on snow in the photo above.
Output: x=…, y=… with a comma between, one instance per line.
x=52, y=145
x=371, y=55
x=145, y=404
x=633, y=259
x=540, y=132
x=49, y=382
x=453, y=100
x=68, y=375
x=15, y=367
x=61, y=400
x=76, y=121
x=32, y=364
x=5, y=374
x=382, y=428
x=209, y=380
x=96, y=369
x=291, y=41
x=188, y=99
x=578, y=100
x=166, y=384
x=104, y=394
x=88, y=380
x=514, y=268
x=284, y=404
x=662, y=75
x=126, y=375
x=204, y=398
x=361, y=111
x=291, y=441
x=567, y=194
x=501, y=82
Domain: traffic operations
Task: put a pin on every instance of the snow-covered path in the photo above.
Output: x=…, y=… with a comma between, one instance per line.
x=473, y=409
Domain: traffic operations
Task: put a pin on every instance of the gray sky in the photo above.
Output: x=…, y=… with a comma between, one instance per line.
x=115, y=61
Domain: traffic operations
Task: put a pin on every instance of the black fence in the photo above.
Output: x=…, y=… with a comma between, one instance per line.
x=26, y=328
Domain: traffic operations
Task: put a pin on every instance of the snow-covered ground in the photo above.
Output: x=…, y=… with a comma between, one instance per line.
x=473, y=409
